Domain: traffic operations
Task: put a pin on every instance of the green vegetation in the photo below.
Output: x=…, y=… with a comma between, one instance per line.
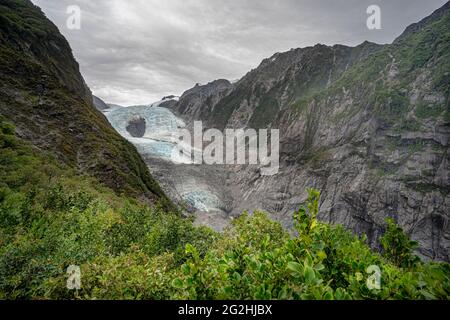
x=224, y=109
x=265, y=112
x=314, y=157
x=409, y=124
x=51, y=218
x=301, y=105
x=29, y=24
x=416, y=146
x=425, y=111
x=398, y=247
x=390, y=103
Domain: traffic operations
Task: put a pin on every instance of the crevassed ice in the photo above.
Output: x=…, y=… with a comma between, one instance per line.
x=161, y=131
x=202, y=200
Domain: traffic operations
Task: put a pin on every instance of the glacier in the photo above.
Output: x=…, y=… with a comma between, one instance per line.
x=158, y=147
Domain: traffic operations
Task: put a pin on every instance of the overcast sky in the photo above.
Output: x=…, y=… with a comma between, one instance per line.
x=137, y=51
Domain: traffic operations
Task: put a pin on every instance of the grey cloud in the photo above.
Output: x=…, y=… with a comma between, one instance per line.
x=137, y=51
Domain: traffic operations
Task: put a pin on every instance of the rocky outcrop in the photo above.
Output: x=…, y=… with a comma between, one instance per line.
x=199, y=102
x=368, y=126
x=136, y=127
x=99, y=103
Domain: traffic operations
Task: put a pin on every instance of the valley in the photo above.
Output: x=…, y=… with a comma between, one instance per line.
x=362, y=183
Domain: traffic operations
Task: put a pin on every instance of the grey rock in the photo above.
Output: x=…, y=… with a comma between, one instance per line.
x=136, y=127
x=99, y=103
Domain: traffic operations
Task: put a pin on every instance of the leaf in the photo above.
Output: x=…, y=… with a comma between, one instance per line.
x=190, y=249
x=328, y=296
x=313, y=224
x=295, y=267
x=228, y=290
x=185, y=268
x=339, y=294
x=308, y=260
x=309, y=275
x=428, y=295
x=266, y=241
x=359, y=276
x=321, y=255
x=177, y=283
x=319, y=267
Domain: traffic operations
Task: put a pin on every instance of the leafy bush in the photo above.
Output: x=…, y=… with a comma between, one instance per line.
x=322, y=262
x=397, y=246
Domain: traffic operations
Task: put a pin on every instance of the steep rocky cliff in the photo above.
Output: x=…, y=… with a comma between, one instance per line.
x=199, y=102
x=44, y=95
x=368, y=126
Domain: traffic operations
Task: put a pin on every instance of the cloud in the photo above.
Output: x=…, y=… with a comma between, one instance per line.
x=137, y=51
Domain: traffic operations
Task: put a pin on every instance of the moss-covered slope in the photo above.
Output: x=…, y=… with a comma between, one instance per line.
x=43, y=93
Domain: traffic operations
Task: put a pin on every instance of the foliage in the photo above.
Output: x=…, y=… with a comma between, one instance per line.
x=397, y=246
x=51, y=218
x=424, y=110
x=321, y=262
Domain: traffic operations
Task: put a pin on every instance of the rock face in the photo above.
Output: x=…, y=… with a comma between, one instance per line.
x=278, y=82
x=99, y=103
x=44, y=95
x=199, y=102
x=136, y=127
x=368, y=126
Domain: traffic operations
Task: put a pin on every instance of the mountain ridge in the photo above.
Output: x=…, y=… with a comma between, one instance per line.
x=372, y=133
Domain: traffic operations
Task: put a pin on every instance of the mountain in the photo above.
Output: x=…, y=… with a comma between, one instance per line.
x=366, y=125
x=198, y=102
x=99, y=103
x=279, y=81
x=44, y=95
x=58, y=222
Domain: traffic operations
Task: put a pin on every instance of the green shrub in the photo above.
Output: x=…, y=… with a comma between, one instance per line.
x=397, y=246
x=322, y=262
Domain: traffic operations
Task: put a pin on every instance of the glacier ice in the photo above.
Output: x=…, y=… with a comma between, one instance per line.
x=161, y=141
x=161, y=132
